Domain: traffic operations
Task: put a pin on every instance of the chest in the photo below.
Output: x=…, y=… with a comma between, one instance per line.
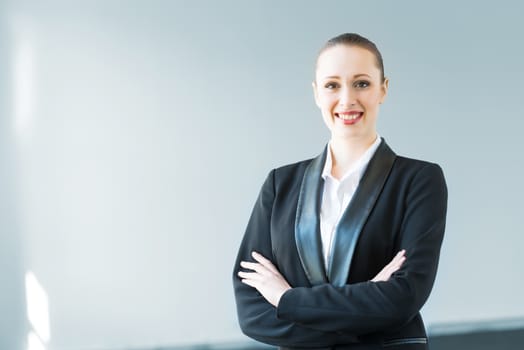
x=377, y=242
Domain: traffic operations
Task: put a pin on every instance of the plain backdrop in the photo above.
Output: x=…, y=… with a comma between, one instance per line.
x=135, y=136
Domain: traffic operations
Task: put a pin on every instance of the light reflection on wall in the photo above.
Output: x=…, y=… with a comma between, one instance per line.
x=23, y=78
x=37, y=313
x=34, y=343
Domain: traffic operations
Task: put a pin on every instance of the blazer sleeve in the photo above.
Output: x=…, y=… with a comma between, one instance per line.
x=370, y=307
x=257, y=317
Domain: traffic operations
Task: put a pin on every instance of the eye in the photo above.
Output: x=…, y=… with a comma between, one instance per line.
x=361, y=84
x=331, y=85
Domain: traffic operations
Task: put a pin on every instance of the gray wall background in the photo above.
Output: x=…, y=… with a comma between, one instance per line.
x=136, y=135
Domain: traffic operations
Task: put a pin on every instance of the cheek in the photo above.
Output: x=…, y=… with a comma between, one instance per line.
x=326, y=102
x=327, y=119
x=371, y=100
x=326, y=109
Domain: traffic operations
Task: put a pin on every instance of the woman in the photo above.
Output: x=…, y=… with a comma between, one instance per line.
x=341, y=251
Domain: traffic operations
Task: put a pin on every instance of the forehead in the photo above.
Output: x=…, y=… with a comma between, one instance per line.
x=344, y=60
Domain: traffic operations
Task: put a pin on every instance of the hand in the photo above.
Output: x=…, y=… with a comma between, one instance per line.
x=393, y=266
x=265, y=278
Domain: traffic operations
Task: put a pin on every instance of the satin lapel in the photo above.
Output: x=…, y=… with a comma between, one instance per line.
x=307, y=223
x=357, y=212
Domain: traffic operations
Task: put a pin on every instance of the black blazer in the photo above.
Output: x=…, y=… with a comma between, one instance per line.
x=400, y=203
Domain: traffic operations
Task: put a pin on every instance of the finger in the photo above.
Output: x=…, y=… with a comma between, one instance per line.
x=390, y=270
x=387, y=271
x=382, y=276
x=396, y=263
x=397, y=259
x=250, y=283
x=392, y=267
x=254, y=276
x=266, y=262
x=399, y=262
x=378, y=277
x=254, y=266
x=399, y=255
x=261, y=259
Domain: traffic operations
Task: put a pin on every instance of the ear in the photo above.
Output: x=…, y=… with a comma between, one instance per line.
x=315, y=92
x=385, y=87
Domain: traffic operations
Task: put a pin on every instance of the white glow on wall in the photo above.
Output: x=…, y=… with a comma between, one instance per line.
x=23, y=74
x=37, y=307
x=34, y=343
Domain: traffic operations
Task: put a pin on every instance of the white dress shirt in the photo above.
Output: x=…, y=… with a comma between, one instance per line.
x=337, y=195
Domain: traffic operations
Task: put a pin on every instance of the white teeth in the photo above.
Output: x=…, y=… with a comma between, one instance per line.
x=349, y=116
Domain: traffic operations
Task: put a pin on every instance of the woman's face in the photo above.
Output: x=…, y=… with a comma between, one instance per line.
x=348, y=90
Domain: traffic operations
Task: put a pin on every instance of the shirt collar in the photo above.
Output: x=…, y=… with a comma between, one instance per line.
x=358, y=167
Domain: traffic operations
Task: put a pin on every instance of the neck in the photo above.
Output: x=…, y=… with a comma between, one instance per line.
x=345, y=153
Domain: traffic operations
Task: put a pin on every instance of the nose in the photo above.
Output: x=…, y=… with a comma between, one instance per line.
x=347, y=97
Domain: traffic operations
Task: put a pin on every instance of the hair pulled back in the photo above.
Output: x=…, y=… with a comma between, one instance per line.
x=353, y=39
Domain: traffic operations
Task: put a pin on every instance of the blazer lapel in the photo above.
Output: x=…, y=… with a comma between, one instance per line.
x=350, y=226
x=307, y=223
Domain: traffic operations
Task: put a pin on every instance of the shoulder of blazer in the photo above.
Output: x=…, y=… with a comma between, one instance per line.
x=291, y=171
x=293, y=166
x=406, y=164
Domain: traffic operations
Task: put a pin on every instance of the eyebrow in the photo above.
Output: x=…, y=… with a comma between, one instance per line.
x=355, y=76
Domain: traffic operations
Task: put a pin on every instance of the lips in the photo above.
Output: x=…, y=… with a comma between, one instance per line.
x=350, y=117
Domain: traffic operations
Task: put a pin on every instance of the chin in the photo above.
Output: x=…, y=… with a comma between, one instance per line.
x=353, y=135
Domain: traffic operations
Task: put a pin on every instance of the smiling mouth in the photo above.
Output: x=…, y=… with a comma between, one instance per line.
x=349, y=118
